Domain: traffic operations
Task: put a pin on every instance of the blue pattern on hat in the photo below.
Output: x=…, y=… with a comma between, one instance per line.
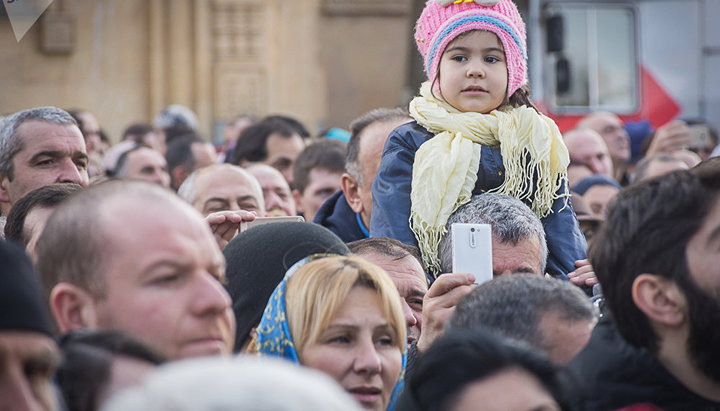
x=476, y=19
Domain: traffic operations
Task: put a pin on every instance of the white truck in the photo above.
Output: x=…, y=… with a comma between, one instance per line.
x=641, y=59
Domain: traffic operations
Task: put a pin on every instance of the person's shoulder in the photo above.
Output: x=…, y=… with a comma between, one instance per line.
x=410, y=134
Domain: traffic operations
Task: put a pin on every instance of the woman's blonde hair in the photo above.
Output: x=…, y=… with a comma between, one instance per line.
x=317, y=291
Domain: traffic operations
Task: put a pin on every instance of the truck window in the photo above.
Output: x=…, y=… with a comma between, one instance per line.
x=598, y=59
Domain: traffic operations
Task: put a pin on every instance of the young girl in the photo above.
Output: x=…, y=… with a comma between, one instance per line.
x=475, y=131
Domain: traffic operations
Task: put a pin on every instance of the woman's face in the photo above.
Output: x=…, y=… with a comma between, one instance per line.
x=359, y=349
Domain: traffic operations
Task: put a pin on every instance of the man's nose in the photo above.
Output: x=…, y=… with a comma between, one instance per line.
x=410, y=319
x=210, y=296
x=72, y=173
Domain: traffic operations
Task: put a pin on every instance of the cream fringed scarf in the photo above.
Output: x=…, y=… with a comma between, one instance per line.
x=445, y=167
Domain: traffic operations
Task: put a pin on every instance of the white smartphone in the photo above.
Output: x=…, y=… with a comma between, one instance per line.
x=472, y=250
x=244, y=225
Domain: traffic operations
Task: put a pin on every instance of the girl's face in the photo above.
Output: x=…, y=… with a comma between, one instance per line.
x=473, y=72
x=359, y=350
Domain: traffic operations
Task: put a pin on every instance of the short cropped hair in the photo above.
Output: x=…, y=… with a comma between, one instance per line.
x=73, y=247
x=43, y=197
x=120, y=169
x=647, y=230
x=10, y=141
x=252, y=144
x=179, y=152
x=317, y=291
x=513, y=306
x=379, y=115
x=324, y=154
x=136, y=131
x=511, y=221
x=294, y=123
x=461, y=358
x=385, y=246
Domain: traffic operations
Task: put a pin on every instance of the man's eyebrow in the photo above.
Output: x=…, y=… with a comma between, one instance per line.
x=57, y=154
x=80, y=154
x=416, y=293
x=165, y=263
x=247, y=197
x=218, y=199
x=47, y=153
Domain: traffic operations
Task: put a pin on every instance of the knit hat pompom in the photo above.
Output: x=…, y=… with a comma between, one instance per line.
x=441, y=22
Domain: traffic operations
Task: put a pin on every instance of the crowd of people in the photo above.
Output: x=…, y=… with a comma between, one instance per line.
x=162, y=272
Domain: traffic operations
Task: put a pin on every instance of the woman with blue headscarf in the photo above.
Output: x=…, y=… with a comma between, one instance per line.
x=342, y=316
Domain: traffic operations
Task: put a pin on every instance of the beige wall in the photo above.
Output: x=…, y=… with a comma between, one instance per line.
x=323, y=61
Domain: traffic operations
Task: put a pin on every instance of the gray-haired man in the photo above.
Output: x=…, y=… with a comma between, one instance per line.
x=39, y=147
x=518, y=243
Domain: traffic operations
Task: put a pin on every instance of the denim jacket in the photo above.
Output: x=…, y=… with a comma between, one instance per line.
x=391, y=199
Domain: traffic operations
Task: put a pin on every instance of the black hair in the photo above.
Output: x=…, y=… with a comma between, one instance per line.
x=42, y=197
x=87, y=364
x=646, y=230
x=324, y=154
x=461, y=358
x=252, y=144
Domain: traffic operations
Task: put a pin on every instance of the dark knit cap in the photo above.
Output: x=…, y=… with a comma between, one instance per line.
x=258, y=258
x=596, y=179
x=21, y=304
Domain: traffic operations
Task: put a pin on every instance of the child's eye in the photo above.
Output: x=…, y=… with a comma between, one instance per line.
x=459, y=58
x=491, y=59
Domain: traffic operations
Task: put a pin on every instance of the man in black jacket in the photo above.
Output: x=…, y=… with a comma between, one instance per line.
x=657, y=262
x=347, y=212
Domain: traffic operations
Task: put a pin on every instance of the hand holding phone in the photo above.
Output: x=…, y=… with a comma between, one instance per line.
x=472, y=250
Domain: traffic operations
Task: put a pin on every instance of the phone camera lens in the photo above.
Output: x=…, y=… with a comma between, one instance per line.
x=472, y=230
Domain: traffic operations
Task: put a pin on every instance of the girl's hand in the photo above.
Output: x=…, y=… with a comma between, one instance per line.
x=584, y=274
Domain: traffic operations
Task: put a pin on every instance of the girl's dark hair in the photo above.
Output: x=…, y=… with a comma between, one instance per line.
x=521, y=97
x=463, y=357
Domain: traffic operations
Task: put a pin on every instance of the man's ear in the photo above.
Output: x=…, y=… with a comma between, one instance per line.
x=298, y=200
x=350, y=189
x=73, y=308
x=660, y=299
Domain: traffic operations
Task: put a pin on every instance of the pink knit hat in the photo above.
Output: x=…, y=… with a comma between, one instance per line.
x=441, y=22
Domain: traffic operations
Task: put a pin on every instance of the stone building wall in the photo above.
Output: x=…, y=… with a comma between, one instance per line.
x=323, y=61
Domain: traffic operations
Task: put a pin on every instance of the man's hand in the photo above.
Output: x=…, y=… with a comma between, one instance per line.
x=439, y=304
x=584, y=274
x=224, y=224
x=671, y=137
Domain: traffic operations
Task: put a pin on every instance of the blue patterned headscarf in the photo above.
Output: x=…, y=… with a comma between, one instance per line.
x=274, y=338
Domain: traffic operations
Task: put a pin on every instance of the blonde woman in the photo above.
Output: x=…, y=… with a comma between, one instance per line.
x=341, y=316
